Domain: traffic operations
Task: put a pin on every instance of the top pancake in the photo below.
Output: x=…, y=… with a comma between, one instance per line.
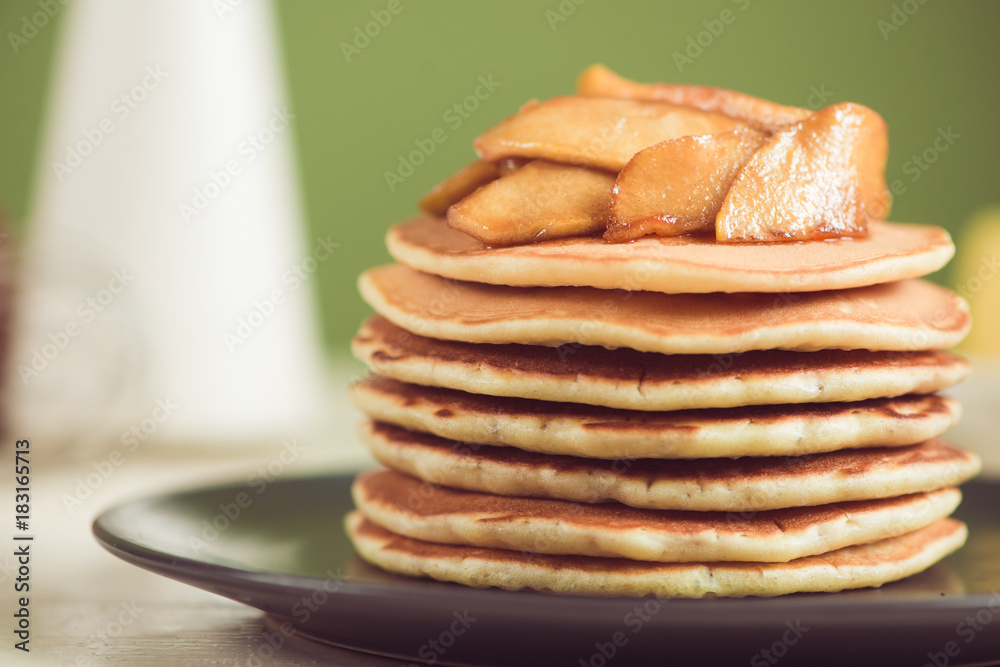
x=677, y=265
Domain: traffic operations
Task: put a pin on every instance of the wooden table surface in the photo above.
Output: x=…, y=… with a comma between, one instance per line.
x=90, y=608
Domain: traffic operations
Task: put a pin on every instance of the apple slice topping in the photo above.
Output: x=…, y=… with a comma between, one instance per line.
x=597, y=132
x=823, y=177
x=459, y=185
x=599, y=81
x=632, y=159
x=678, y=186
x=539, y=201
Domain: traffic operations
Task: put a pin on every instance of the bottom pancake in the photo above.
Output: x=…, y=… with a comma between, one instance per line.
x=852, y=567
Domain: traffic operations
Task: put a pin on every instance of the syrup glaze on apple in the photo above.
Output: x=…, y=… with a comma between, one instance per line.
x=632, y=160
x=821, y=178
x=678, y=186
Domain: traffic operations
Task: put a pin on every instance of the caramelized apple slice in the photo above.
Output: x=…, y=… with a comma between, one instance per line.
x=459, y=185
x=595, y=132
x=537, y=202
x=678, y=186
x=821, y=178
x=599, y=81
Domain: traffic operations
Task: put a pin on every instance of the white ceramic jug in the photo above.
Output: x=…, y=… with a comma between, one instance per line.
x=166, y=286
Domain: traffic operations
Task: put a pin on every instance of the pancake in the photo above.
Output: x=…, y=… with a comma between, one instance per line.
x=407, y=506
x=593, y=431
x=908, y=315
x=719, y=485
x=677, y=265
x=645, y=381
x=852, y=567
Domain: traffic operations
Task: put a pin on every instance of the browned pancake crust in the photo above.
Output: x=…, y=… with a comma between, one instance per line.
x=746, y=470
x=382, y=344
x=392, y=489
x=892, y=549
x=447, y=403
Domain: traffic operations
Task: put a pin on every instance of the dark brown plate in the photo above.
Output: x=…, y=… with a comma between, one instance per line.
x=284, y=552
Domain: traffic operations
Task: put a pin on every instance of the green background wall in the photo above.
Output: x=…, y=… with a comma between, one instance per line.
x=940, y=69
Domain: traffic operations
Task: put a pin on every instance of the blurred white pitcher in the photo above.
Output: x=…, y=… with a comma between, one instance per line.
x=166, y=290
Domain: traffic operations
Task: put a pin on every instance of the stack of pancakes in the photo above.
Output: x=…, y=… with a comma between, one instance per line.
x=674, y=416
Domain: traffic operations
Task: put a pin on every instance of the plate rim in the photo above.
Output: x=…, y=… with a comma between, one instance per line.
x=166, y=564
